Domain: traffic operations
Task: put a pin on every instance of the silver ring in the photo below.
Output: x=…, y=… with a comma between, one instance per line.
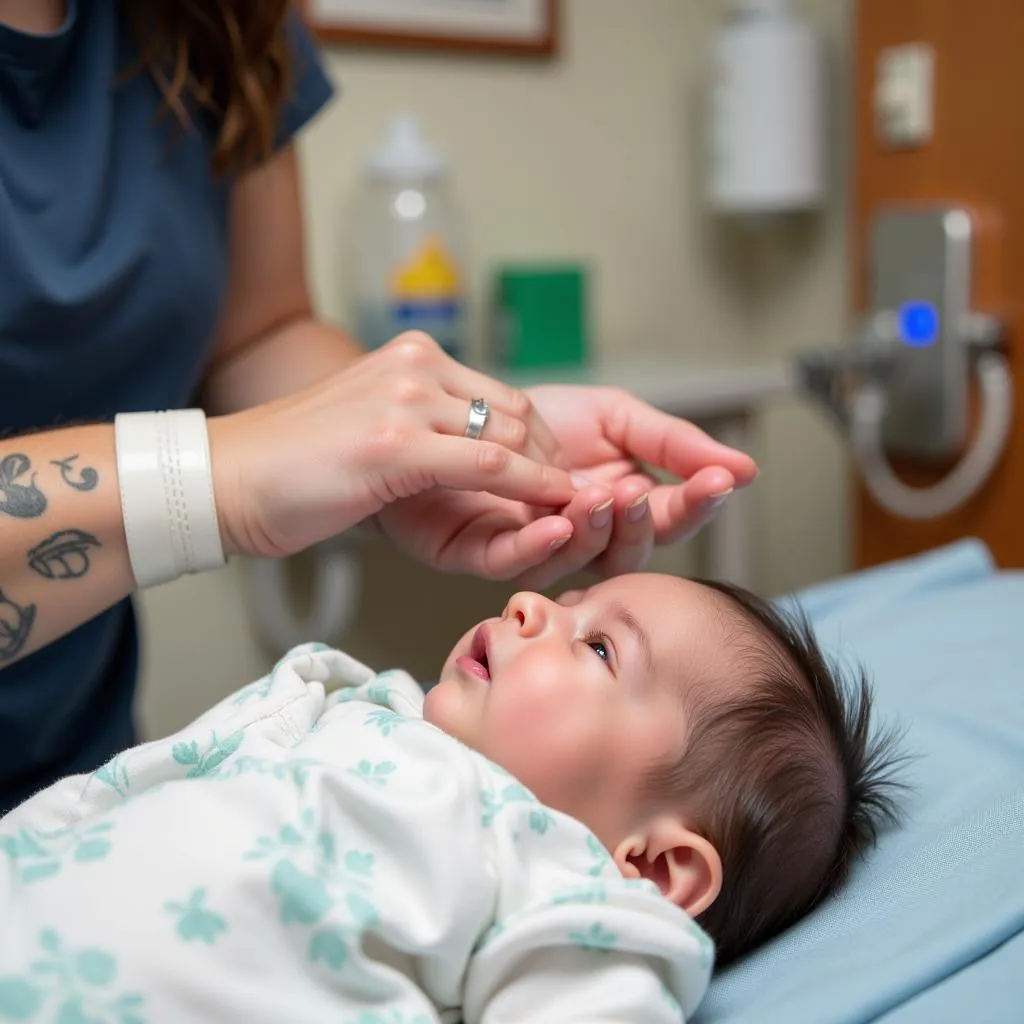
x=479, y=410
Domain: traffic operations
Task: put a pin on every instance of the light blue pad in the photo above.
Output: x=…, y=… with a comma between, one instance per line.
x=931, y=925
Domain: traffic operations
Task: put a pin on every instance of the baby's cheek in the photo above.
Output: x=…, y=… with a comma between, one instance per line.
x=543, y=732
x=534, y=707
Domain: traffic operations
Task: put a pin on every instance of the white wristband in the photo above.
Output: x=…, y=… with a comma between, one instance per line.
x=170, y=517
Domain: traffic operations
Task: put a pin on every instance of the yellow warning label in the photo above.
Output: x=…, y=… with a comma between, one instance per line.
x=428, y=274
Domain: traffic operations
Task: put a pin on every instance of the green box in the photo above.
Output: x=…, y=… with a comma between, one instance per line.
x=540, y=316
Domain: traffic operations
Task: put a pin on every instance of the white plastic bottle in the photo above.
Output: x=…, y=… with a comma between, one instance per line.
x=767, y=111
x=408, y=264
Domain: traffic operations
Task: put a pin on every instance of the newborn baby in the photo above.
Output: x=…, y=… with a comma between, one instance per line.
x=597, y=793
x=697, y=731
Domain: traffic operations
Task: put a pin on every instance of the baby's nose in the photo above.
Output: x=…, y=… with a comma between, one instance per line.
x=531, y=611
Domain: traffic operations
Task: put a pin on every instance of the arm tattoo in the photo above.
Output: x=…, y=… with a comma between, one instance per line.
x=15, y=625
x=64, y=556
x=21, y=500
x=87, y=477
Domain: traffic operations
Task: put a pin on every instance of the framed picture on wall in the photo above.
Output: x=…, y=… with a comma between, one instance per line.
x=510, y=27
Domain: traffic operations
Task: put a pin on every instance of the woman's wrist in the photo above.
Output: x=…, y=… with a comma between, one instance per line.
x=168, y=503
x=225, y=470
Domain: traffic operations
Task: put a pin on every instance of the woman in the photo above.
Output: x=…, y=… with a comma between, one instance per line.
x=151, y=258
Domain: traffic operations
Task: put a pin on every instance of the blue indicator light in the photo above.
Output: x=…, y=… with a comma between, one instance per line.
x=919, y=324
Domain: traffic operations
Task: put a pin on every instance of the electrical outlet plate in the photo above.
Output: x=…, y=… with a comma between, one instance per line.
x=920, y=284
x=904, y=95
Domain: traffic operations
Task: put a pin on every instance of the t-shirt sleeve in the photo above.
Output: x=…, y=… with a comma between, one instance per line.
x=311, y=88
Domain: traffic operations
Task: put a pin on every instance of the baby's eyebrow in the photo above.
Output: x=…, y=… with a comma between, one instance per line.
x=621, y=613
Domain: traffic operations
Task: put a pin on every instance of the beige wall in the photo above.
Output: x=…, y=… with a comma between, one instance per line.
x=595, y=157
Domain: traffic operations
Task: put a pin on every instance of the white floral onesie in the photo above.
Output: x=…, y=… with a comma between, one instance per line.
x=311, y=850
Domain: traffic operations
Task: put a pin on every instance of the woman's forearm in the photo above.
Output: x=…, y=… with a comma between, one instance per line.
x=63, y=554
x=290, y=358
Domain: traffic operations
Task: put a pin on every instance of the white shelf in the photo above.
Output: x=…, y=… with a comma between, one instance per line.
x=687, y=388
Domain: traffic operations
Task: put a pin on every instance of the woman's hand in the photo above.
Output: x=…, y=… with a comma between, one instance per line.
x=298, y=470
x=612, y=524
x=616, y=441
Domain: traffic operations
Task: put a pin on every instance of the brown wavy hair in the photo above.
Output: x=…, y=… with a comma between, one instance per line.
x=227, y=59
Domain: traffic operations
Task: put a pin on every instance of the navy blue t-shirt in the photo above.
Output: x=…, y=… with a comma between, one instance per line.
x=113, y=268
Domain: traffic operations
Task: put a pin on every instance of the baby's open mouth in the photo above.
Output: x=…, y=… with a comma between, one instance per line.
x=479, y=659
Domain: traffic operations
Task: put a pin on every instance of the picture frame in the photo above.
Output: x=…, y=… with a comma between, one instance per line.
x=518, y=28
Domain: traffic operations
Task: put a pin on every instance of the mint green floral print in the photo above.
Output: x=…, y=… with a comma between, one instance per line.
x=40, y=855
x=596, y=893
x=315, y=886
x=330, y=947
x=375, y=774
x=203, y=763
x=385, y=720
x=541, y=821
x=72, y=986
x=595, y=937
x=515, y=792
x=114, y=774
x=197, y=922
x=377, y=692
x=260, y=689
x=602, y=859
x=294, y=770
x=304, y=898
x=390, y=1017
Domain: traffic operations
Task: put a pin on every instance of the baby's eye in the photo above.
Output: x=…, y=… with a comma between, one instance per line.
x=598, y=643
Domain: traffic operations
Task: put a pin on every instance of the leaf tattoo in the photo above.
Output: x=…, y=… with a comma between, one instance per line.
x=87, y=477
x=15, y=626
x=64, y=556
x=23, y=501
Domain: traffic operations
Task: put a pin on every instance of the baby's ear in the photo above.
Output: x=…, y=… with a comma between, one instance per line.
x=682, y=864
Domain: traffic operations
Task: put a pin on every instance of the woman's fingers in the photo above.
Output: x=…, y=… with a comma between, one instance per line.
x=632, y=540
x=421, y=356
x=485, y=466
x=669, y=443
x=680, y=511
x=502, y=550
x=592, y=515
x=452, y=416
x=504, y=400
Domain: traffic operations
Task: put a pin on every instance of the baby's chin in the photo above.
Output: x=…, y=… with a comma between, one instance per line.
x=441, y=705
x=448, y=669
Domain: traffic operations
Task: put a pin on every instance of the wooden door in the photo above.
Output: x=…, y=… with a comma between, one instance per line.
x=975, y=156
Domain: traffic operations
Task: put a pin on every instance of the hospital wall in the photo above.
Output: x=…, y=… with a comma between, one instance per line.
x=596, y=157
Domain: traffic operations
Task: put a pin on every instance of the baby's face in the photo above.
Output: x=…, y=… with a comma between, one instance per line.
x=579, y=697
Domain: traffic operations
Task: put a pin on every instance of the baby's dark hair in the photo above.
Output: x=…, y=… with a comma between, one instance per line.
x=784, y=777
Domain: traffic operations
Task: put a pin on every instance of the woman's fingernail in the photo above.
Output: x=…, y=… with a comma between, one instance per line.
x=579, y=482
x=601, y=515
x=714, y=500
x=560, y=542
x=636, y=510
